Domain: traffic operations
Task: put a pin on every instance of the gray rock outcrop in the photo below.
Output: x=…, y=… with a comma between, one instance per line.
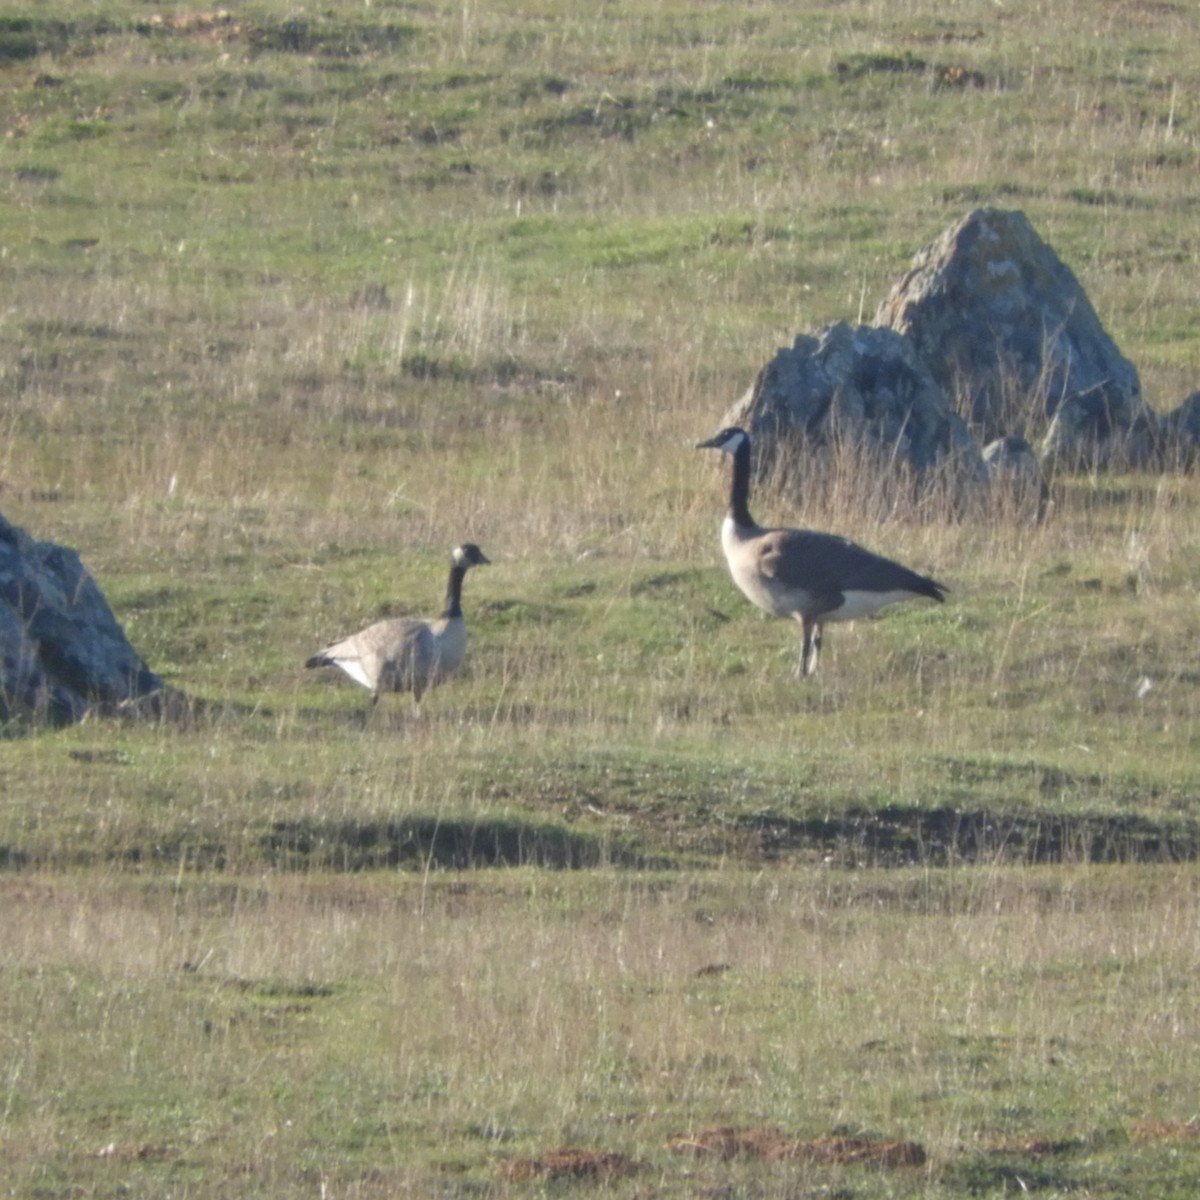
x=62, y=652
x=860, y=386
x=988, y=338
x=1007, y=330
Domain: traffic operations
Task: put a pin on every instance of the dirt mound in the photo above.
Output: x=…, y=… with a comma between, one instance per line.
x=569, y=1162
x=775, y=1145
x=1163, y=1131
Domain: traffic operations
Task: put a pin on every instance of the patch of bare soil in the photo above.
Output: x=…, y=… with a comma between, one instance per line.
x=775, y=1145
x=1163, y=1131
x=570, y=1162
x=1035, y=1145
x=218, y=24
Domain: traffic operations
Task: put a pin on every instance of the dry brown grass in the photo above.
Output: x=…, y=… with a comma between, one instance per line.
x=969, y=1016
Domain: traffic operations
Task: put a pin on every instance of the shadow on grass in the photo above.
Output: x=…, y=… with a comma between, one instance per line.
x=446, y=844
x=890, y=837
x=899, y=835
x=987, y=1177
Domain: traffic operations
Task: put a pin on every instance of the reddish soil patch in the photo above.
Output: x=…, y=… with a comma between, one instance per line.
x=570, y=1162
x=196, y=22
x=1163, y=1131
x=775, y=1145
x=1037, y=1145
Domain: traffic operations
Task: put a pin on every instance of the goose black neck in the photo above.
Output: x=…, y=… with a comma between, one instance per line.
x=739, y=488
x=454, y=591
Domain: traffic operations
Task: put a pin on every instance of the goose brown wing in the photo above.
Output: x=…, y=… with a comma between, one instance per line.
x=407, y=650
x=827, y=565
x=795, y=560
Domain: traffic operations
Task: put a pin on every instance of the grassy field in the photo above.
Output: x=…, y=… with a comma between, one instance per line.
x=296, y=299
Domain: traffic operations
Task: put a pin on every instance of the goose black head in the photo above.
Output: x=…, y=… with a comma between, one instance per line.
x=729, y=440
x=469, y=555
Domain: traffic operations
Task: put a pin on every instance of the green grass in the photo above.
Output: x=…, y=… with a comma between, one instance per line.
x=295, y=301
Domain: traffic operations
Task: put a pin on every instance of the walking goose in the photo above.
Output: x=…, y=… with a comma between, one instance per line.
x=407, y=654
x=811, y=577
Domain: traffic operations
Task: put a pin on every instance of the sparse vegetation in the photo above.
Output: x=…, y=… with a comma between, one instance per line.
x=295, y=300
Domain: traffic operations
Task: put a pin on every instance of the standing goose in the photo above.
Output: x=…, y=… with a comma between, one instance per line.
x=407, y=654
x=811, y=577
